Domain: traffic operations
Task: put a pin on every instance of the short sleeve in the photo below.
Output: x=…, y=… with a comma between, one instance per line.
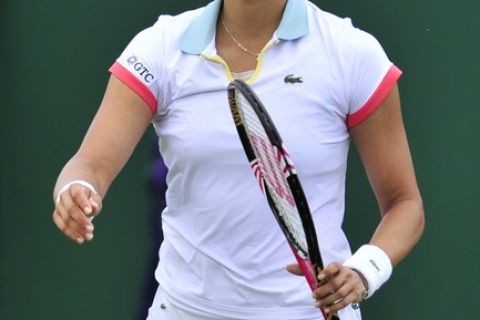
x=367, y=73
x=140, y=66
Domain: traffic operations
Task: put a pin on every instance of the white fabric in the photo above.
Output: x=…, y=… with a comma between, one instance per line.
x=243, y=75
x=374, y=265
x=162, y=308
x=223, y=253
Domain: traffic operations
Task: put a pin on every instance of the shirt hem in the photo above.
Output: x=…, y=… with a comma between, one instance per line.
x=209, y=309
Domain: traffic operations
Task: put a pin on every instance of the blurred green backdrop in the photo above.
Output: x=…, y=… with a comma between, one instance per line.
x=54, y=57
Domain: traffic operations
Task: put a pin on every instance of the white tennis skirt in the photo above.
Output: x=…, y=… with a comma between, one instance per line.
x=163, y=309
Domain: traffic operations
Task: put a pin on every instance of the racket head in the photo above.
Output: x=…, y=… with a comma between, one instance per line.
x=276, y=175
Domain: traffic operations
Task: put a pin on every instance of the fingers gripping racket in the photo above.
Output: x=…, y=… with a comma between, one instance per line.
x=277, y=178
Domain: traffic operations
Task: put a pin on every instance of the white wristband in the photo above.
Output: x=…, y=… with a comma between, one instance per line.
x=374, y=264
x=81, y=182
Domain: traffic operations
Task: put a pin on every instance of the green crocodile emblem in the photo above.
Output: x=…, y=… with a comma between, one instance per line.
x=374, y=264
x=291, y=78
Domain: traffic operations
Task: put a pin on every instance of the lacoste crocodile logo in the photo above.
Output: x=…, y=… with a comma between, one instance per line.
x=291, y=78
x=374, y=264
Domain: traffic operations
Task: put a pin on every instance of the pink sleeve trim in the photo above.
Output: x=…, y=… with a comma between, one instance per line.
x=136, y=85
x=376, y=98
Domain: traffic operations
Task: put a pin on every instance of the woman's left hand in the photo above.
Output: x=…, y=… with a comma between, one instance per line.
x=338, y=287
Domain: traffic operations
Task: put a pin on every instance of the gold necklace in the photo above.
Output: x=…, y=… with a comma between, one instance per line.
x=241, y=46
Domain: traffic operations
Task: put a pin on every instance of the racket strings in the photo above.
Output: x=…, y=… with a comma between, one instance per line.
x=272, y=168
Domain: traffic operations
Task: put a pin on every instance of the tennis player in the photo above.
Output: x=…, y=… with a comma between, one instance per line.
x=324, y=83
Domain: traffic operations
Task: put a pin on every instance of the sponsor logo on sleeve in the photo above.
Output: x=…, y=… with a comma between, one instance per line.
x=140, y=69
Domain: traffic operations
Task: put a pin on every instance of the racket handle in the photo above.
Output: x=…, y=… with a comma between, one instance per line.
x=310, y=274
x=307, y=269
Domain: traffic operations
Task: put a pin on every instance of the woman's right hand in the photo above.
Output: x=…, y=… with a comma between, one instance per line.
x=74, y=211
x=121, y=121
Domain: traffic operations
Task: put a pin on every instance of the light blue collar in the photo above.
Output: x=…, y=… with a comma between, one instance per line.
x=201, y=30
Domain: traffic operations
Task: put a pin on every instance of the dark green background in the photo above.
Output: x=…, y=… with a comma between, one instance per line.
x=54, y=56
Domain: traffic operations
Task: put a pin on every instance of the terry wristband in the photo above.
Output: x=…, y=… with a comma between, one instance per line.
x=81, y=182
x=373, y=263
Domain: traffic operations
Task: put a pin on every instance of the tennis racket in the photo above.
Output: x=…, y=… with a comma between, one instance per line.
x=277, y=178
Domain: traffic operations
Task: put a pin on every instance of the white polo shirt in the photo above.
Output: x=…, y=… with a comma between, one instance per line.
x=223, y=253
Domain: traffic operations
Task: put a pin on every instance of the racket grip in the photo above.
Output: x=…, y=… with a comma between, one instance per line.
x=309, y=272
x=307, y=269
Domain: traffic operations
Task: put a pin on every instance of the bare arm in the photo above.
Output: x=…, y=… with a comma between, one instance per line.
x=383, y=148
x=382, y=144
x=116, y=129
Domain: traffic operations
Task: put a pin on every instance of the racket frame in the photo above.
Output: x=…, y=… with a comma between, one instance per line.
x=312, y=266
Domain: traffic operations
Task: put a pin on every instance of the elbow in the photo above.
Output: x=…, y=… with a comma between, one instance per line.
x=414, y=218
x=421, y=217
